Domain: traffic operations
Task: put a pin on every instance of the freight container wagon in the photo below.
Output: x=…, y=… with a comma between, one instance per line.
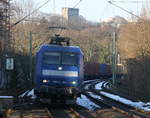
x=94, y=70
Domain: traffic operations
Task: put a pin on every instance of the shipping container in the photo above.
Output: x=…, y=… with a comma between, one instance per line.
x=105, y=69
x=95, y=70
x=91, y=68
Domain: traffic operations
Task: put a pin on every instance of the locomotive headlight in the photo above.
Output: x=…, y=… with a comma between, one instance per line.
x=74, y=82
x=60, y=68
x=45, y=81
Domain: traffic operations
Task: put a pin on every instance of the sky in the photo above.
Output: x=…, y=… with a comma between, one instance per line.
x=93, y=10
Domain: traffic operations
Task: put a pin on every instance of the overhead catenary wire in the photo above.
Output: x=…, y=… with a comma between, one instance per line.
x=22, y=19
x=142, y=1
x=77, y=4
x=125, y=10
x=127, y=1
x=54, y=7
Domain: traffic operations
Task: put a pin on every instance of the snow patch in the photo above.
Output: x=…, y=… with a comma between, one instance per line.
x=94, y=96
x=139, y=105
x=85, y=102
x=87, y=87
x=89, y=81
x=99, y=85
x=29, y=93
x=106, y=85
x=24, y=94
x=6, y=97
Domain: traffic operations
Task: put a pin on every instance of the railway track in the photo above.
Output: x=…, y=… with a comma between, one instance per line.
x=49, y=111
x=100, y=99
x=74, y=111
x=36, y=113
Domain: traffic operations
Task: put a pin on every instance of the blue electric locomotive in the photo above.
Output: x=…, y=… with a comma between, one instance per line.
x=59, y=71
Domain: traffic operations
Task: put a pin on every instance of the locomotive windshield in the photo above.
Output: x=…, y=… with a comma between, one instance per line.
x=69, y=59
x=51, y=58
x=60, y=58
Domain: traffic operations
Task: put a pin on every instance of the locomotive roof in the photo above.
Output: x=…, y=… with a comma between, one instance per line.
x=48, y=47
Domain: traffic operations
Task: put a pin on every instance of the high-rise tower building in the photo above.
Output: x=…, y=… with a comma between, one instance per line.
x=70, y=13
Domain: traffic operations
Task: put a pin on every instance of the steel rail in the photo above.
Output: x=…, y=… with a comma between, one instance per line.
x=123, y=108
x=41, y=113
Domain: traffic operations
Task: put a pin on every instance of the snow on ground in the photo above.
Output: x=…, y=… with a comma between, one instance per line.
x=5, y=97
x=87, y=81
x=87, y=86
x=23, y=94
x=28, y=93
x=139, y=105
x=94, y=96
x=85, y=102
x=31, y=93
x=99, y=85
x=105, y=85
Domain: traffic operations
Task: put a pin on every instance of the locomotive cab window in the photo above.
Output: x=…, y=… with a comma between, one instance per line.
x=51, y=58
x=70, y=59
